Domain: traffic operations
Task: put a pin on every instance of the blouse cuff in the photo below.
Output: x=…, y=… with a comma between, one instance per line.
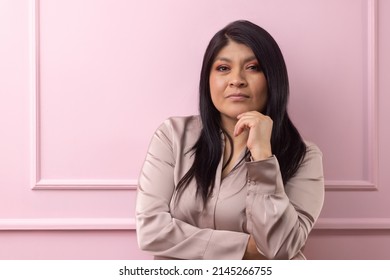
x=264, y=176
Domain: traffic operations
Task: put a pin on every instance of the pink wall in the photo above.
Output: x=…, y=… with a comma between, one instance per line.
x=84, y=84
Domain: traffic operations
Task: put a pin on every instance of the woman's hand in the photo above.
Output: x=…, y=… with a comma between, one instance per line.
x=251, y=252
x=259, y=136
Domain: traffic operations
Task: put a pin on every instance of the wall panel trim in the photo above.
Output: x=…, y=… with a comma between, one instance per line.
x=39, y=183
x=344, y=185
x=129, y=224
x=352, y=224
x=371, y=91
x=86, y=185
x=67, y=224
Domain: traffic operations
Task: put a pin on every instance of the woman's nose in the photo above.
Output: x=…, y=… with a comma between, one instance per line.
x=237, y=80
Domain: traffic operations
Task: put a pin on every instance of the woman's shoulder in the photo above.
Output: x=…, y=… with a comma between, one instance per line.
x=183, y=120
x=312, y=148
x=180, y=123
x=313, y=154
x=177, y=126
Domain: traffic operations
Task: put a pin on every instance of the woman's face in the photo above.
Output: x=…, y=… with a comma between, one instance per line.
x=236, y=83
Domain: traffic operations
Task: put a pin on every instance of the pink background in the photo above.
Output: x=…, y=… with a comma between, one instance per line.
x=84, y=84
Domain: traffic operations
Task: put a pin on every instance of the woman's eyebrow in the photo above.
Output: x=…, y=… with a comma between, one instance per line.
x=250, y=58
x=223, y=59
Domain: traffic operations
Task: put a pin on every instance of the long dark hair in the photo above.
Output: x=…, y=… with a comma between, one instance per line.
x=287, y=144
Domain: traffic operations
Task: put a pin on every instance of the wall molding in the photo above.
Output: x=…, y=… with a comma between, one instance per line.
x=38, y=183
x=344, y=185
x=370, y=184
x=371, y=82
x=85, y=185
x=48, y=224
x=67, y=224
x=353, y=224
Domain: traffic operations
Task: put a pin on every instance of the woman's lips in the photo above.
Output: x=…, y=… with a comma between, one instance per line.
x=237, y=97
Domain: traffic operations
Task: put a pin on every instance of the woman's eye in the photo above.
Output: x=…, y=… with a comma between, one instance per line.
x=254, y=67
x=222, y=68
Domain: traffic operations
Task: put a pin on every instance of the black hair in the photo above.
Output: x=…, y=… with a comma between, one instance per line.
x=286, y=142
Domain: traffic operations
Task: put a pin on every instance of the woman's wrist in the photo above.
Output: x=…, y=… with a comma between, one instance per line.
x=261, y=155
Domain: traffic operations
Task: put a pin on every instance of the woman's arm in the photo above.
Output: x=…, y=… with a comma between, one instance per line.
x=281, y=217
x=157, y=231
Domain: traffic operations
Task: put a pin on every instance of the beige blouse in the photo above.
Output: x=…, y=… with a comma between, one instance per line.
x=250, y=200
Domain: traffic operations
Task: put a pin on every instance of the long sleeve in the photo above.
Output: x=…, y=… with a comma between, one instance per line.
x=157, y=231
x=280, y=218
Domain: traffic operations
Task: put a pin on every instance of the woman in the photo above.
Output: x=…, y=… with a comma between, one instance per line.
x=238, y=181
